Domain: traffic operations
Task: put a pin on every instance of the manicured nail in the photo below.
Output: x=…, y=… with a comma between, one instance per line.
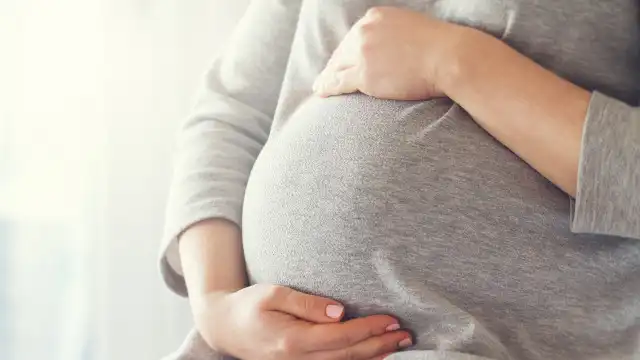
x=393, y=327
x=334, y=311
x=405, y=343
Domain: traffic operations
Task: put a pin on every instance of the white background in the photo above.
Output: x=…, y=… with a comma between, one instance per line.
x=91, y=96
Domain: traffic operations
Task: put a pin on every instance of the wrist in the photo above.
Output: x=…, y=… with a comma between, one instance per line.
x=204, y=301
x=459, y=52
x=210, y=313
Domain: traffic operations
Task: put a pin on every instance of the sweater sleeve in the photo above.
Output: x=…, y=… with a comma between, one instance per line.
x=608, y=194
x=228, y=127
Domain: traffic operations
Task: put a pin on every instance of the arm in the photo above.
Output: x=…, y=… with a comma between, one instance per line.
x=587, y=144
x=212, y=259
x=535, y=113
x=218, y=145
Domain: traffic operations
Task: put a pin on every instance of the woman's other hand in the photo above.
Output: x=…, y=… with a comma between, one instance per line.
x=390, y=53
x=268, y=322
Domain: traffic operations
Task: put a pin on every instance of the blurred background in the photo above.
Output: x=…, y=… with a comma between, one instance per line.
x=92, y=93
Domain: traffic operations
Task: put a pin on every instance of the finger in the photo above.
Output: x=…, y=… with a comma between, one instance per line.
x=303, y=306
x=345, y=55
x=341, y=82
x=322, y=337
x=339, y=61
x=372, y=348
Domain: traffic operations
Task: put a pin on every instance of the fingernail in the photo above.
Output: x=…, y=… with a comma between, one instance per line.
x=315, y=84
x=334, y=311
x=405, y=343
x=393, y=327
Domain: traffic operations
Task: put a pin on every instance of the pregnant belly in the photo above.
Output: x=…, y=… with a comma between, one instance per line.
x=410, y=208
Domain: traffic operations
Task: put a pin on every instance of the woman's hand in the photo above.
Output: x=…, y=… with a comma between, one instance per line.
x=265, y=322
x=390, y=53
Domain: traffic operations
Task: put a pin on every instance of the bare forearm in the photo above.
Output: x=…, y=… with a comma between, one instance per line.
x=532, y=111
x=212, y=258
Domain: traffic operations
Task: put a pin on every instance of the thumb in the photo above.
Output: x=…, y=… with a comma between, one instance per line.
x=335, y=83
x=304, y=306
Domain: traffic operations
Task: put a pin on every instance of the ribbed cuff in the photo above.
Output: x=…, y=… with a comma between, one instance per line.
x=608, y=193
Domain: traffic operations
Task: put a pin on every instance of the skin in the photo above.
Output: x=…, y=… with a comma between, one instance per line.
x=392, y=54
x=403, y=55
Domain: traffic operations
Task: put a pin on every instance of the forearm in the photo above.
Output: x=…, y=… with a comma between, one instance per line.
x=535, y=113
x=212, y=258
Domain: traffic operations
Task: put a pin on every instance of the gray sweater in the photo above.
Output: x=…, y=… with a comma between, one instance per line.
x=412, y=209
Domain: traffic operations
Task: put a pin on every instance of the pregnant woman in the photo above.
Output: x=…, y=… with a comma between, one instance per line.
x=430, y=179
